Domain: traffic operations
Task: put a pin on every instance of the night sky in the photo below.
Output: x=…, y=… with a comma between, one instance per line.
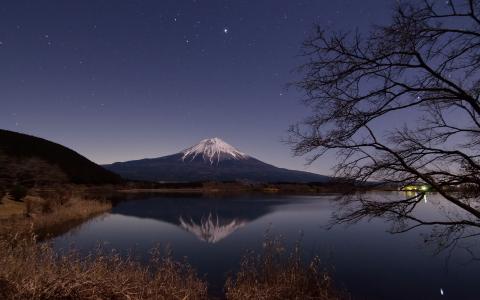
x=120, y=80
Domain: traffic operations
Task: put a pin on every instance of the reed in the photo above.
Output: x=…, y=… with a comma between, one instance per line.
x=32, y=270
x=276, y=273
x=45, y=218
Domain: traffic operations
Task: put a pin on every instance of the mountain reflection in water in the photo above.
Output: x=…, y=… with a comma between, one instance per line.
x=212, y=229
x=214, y=234
x=209, y=219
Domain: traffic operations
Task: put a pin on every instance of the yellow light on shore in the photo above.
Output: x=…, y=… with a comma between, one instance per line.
x=414, y=188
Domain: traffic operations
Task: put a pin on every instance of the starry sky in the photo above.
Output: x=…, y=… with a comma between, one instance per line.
x=120, y=80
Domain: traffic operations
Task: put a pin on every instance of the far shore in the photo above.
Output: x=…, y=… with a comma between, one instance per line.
x=42, y=198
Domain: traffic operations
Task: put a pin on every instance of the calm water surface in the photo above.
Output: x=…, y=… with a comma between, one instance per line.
x=214, y=233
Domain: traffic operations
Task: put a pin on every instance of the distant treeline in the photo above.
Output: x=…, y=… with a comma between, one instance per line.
x=226, y=186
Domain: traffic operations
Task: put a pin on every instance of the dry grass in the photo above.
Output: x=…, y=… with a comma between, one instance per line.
x=10, y=208
x=32, y=270
x=71, y=214
x=276, y=274
x=46, y=218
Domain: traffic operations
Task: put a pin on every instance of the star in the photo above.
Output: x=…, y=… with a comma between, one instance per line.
x=225, y=30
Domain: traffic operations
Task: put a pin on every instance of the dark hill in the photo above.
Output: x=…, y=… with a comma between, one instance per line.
x=28, y=158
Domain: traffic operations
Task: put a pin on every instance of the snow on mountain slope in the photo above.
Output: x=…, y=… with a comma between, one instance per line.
x=213, y=150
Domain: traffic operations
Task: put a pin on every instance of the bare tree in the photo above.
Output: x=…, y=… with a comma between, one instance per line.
x=424, y=66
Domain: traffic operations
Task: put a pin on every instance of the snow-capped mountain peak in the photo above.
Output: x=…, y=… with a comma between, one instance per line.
x=213, y=150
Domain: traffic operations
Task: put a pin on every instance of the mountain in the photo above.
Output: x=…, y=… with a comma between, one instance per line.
x=32, y=160
x=210, y=160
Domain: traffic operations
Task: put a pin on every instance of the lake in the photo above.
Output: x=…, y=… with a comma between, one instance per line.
x=214, y=233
